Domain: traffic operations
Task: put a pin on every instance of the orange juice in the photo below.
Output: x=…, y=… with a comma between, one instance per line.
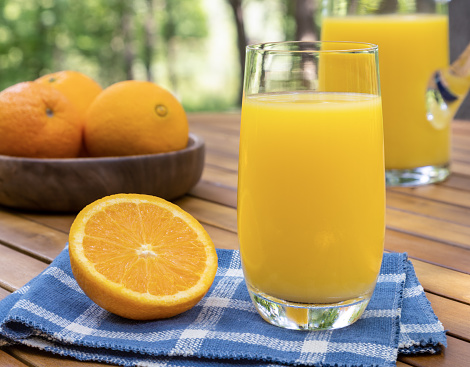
x=411, y=49
x=311, y=196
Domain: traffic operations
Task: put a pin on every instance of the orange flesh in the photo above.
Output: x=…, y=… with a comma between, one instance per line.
x=145, y=248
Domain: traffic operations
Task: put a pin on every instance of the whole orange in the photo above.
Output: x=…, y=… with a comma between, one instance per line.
x=38, y=121
x=135, y=117
x=79, y=88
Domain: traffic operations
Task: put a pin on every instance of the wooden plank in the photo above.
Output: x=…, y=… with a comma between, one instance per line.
x=16, y=269
x=459, y=142
x=457, y=354
x=402, y=200
x=4, y=293
x=455, y=316
x=438, y=193
x=210, y=213
x=229, y=149
x=461, y=127
x=444, y=282
x=429, y=228
x=459, y=138
x=7, y=360
x=222, y=161
x=439, y=253
x=457, y=181
x=216, y=193
x=58, y=222
x=227, y=122
x=31, y=237
x=461, y=168
x=220, y=177
x=461, y=155
x=221, y=140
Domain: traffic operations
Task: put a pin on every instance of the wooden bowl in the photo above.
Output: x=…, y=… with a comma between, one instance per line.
x=67, y=185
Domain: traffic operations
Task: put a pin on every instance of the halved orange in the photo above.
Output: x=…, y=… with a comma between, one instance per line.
x=141, y=257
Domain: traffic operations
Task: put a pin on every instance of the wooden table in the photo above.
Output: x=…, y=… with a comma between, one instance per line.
x=430, y=223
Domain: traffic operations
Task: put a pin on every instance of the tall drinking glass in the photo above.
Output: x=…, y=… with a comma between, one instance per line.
x=311, y=186
x=413, y=39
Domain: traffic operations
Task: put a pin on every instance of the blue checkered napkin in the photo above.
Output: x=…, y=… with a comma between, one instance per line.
x=51, y=313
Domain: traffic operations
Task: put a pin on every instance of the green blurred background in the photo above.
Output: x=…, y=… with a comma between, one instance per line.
x=195, y=48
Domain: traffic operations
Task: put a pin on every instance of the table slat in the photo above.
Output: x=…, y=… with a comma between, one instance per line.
x=16, y=269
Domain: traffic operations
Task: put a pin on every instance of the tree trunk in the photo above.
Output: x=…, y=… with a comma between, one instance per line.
x=39, y=63
x=127, y=37
x=149, y=39
x=241, y=41
x=171, y=46
x=305, y=21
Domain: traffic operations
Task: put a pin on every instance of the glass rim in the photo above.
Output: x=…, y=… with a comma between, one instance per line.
x=367, y=47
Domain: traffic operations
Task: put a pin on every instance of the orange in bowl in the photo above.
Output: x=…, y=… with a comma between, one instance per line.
x=80, y=89
x=135, y=117
x=38, y=121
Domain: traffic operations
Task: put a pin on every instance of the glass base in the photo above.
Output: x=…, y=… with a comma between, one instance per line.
x=299, y=316
x=416, y=176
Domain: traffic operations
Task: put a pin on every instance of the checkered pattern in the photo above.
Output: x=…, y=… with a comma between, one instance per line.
x=52, y=313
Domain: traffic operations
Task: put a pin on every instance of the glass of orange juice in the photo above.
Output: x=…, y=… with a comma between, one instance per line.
x=311, y=185
x=413, y=41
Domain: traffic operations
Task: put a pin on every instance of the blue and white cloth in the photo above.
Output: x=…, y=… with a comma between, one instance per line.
x=52, y=313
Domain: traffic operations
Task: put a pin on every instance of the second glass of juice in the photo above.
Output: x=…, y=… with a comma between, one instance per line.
x=311, y=186
x=413, y=43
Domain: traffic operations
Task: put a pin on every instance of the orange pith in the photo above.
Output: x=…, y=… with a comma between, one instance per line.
x=141, y=257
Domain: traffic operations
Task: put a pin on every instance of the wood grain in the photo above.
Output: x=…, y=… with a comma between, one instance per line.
x=428, y=228
x=444, y=194
x=444, y=254
x=29, y=237
x=16, y=269
x=447, y=283
x=3, y=294
x=7, y=360
x=454, y=316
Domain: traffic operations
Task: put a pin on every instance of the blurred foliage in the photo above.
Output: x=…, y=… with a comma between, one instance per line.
x=41, y=36
x=166, y=41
